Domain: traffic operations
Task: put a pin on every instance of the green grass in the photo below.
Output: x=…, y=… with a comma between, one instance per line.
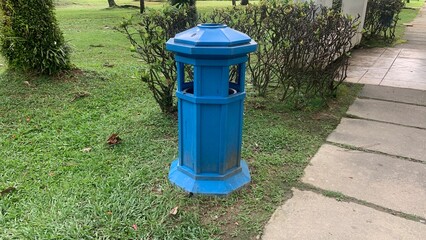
x=66, y=191
x=415, y=4
x=336, y=195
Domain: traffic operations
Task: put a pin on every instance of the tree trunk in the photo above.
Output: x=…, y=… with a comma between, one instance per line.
x=234, y=2
x=142, y=4
x=244, y=2
x=112, y=3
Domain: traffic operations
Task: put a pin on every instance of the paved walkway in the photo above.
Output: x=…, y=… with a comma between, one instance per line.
x=369, y=180
x=403, y=66
x=415, y=33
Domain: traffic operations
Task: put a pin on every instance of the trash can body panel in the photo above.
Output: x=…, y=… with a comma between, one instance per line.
x=187, y=153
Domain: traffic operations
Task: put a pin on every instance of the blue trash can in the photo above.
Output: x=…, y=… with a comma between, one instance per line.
x=210, y=109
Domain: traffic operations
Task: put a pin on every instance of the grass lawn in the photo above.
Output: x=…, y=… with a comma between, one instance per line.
x=60, y=180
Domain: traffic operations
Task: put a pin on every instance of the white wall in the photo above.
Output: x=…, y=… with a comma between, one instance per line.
x=349, y=7
x=354, y=8
x=327, y=3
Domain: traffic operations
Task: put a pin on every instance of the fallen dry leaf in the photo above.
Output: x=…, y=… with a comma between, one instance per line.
x=174, y=211
x=7, y=190
x=158, y=190
x=96, y=45
x=135, y=227
x=114, y=139
x=236, y=223
x=108, y=65
x=79, y=95
x=86, y=150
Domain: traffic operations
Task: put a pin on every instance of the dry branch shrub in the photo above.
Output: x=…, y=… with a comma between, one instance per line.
x=148, y=34
x=303, y=48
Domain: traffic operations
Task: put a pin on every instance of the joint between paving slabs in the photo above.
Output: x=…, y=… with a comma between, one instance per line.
x=391, y=101
x=379, y=121
x=389, y=67
x=345, y=198
x=363, y=149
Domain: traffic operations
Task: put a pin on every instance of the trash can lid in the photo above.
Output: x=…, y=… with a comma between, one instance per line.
x=212, y=34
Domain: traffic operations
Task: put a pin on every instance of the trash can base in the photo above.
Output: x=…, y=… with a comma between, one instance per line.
x=220, y=186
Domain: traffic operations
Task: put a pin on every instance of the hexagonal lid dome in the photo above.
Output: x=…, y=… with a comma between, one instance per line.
x=212, y=34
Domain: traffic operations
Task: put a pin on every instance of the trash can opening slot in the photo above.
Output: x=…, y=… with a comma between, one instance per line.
x=231, y=91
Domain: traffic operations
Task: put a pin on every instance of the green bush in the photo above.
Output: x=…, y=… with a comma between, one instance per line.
x=192, y=15
x=181, y=3
x=303, y=48
x=302, y=53
x=337, y=5
x=381, y=19
x=30, y=37
x=148, y=34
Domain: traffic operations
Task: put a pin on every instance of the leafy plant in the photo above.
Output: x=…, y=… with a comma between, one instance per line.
x=148, y=34
x=303, y=49
x=337, y=5
x=192, y=15
x=30, y=37
x=181, y=3
x=381, y=19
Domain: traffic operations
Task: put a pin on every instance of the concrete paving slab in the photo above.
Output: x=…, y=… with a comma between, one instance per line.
x=376, y=73
x=369, y=52
x=363, y=61
x=356, y=72
x=402, y=95
x=409, y=64
x=391, y=53
x=415, y=45
x=413, y=54
x=392, y=183
x=415, y=36
x=373, y=81
x=391, y=112
x=352, y=79
x=383, y=137
x=403, y=84
x=310, y=216
x=396, y=74
x=385, y=63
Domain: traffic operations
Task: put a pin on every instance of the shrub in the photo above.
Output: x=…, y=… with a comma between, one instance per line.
x=303, y=48
x=31, y=39
x=381, y=19
x=192, y=15
x=181, y=3
x=302, y=55
x=148, y=34
x=337, y=5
